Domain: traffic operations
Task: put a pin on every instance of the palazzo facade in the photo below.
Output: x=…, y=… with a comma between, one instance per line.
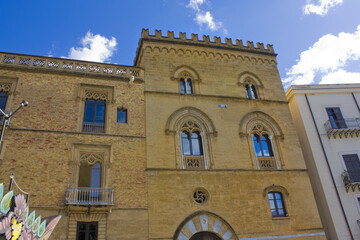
x=195, y=141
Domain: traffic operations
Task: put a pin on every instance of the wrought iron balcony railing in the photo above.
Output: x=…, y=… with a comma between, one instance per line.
x=347, y=126
x=93, y=127
x=89, y=196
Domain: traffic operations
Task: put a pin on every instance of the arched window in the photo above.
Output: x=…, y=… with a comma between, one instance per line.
x=277, y=205
x=192, y=130
x=264, y=136
x=250, y=91
x=191, y=144
x=186, y=86
x=252, y=85
x=262, y=145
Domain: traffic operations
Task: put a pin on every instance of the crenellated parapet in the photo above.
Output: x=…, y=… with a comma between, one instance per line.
x=228, y=42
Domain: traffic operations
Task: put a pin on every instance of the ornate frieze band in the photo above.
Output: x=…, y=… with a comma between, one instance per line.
x=68, y=65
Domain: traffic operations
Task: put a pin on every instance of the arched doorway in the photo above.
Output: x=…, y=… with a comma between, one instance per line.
x=205, y=236
x=204, y=225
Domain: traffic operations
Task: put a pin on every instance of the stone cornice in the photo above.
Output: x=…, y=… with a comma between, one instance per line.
x=205, y=42
x=215, y=96
x=69, y=66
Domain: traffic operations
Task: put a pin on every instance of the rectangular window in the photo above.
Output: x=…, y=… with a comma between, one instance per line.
x=276, y=204
x=352, y=164
x=87, y=231
x=94, y=116
x=335, y=117
x=122, y=115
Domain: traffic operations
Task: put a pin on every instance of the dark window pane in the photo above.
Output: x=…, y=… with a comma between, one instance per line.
x=81, y=236
x=196, y=144
x=253, y=90
x=82, y=227
x=188, y=86
x=3, y=100
x=256, y=140
x=89, y=111
x=352, y=164
x=273, y=213
x=122, y=116
x=182, y=86
x=185, y=143
x=92, y=236
x=248, y=91
x=100, y=112
x=336, y=118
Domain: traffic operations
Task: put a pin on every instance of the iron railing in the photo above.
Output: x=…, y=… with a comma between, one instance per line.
x=89, y=196
x=93, y=127
x=342, y=124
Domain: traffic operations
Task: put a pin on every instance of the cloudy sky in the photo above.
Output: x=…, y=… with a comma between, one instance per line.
x=317, y=41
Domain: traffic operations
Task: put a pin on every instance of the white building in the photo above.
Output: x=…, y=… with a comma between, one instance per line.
x=327, y=120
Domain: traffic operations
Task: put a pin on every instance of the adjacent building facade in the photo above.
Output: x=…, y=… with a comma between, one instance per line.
x=195, y=141
x=327, y=119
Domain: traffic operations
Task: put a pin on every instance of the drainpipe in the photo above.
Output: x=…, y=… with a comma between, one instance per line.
x=328, y=165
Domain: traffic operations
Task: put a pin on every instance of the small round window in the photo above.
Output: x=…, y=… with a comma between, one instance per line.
x=200, y=195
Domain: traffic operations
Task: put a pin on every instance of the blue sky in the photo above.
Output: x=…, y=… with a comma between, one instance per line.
x=317, y=41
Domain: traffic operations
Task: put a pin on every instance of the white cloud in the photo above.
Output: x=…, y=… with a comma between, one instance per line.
x=326, y=58
x=95, y=48
x=341, y=76
x=207, y=19
x=322, y=8
x=202, y=17
x=194, y=4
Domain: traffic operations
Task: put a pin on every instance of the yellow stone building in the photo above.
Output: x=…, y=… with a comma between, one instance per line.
x=195, y=141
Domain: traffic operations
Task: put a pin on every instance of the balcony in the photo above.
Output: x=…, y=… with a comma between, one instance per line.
x=193, y=162
x=89, y=196
x=266, y=163
x=344, y=127
x=93, y=127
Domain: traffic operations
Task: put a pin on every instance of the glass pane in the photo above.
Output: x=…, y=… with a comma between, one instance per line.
x=122, y=116
x=257, y=145
x=182, y=86
x=82, y=227
x=185, y=143
x=93, y=226
x=92, y=236
x=265, y=147
x=3, y=99
x=196, y=144
x=188, y=86
x=96, y=175
x=270, y=195
x=281, y=212
x=253, y=91
x=81, y=236
x=248, y=93
x=273, y=212
x=277, y=196
x=89, y=111
x=100, y=112
x=279, y=203
x=272, y=204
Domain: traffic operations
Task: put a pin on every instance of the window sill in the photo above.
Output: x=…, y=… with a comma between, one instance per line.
x=281, y=218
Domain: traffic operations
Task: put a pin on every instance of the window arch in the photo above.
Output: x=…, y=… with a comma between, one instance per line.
x=193, y=131
x=252, y=85
x=263, y=135
x=187, y=78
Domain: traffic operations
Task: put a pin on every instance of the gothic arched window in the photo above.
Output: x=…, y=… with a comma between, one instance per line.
x=191, y=143
x=251, y=91
x=186, y=86
x=262, y=145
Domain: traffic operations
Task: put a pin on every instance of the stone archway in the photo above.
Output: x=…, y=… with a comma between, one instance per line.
x=205, y=236
x=204, y=225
